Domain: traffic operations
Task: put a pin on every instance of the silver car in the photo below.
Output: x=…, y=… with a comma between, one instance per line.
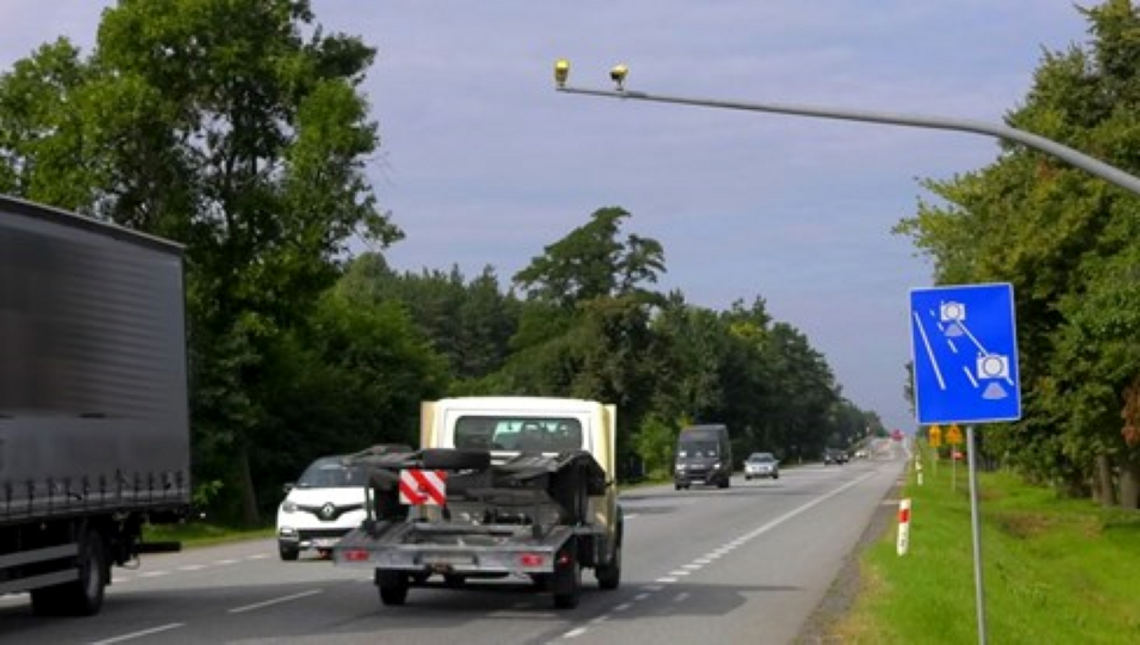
x=763, y=465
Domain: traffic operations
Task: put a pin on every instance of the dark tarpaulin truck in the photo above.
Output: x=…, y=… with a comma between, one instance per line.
x=94, y=422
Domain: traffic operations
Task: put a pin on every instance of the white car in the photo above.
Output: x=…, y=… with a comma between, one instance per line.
x=324, y=504
x=761, y=464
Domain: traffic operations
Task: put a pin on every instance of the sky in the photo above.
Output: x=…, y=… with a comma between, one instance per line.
x=482, y=163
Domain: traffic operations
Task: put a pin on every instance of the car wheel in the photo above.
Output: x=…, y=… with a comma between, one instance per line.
x=289, y=552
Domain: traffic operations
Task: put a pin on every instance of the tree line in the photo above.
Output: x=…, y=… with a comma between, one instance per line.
x=1069, y=243
x=238, y=128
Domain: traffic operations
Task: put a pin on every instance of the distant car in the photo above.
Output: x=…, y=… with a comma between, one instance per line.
x=324, y=504
x=834, y=456
x=763, y=465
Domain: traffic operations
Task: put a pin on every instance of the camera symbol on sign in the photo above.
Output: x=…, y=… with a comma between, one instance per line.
x=952, y=311
x=993, y=366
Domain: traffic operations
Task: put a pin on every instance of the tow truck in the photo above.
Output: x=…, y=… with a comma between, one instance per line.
x=503, y=487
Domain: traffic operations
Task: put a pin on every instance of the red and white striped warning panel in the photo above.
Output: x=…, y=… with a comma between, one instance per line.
x=419, y=487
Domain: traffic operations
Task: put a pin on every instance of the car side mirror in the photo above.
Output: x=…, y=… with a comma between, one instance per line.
x=288, y=487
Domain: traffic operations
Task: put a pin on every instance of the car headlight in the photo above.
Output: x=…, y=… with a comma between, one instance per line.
x=680, y=466
x=716, y=465
x=288, y=507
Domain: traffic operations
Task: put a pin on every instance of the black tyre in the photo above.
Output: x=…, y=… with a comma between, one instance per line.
x=289, y=552
x=393, y=587
x=83, y=596
x=456, y=459
x=567, y=581
x=609, y=575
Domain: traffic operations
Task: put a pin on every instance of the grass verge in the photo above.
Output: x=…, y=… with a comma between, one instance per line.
x=196, y=534
x=1054, y=570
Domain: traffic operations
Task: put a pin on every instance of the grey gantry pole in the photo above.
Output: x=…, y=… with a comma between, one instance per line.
x=1093, y=166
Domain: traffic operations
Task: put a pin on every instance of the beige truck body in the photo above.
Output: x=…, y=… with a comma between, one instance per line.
x=443, y=424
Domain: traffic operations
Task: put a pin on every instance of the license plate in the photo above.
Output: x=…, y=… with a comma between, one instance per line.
x=324, y=543
x=447, y=559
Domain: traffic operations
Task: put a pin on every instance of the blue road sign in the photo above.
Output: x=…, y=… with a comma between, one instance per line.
x=964, y=348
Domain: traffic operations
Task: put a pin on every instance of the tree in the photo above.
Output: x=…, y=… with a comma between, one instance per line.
x=1063, y=239
x=220, y=124
x=591, y=262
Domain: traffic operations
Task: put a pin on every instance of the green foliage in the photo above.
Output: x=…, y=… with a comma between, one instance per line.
x=656, y=442
x=1067, y=242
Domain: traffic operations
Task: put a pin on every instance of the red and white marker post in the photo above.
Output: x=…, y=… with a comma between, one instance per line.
x=904, y=526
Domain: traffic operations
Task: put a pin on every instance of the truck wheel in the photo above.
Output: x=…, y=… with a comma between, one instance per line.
x=456, y=459
x=609, y=575
x=288, y=552
x=567, y=581
x=83, y=596
x=393, y=587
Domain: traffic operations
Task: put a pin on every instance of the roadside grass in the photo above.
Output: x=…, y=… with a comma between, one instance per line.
x=196, y=534
x=1055, y=570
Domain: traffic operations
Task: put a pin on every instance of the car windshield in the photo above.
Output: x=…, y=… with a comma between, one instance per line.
x=761, y=456
x=329, y=472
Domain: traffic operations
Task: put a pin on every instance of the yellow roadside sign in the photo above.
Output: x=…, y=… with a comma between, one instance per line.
x=954, y=435
x=935, y=435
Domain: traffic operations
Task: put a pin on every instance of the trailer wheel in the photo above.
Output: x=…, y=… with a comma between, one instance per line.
x=393, y=587
x=84, y=595
x=567, y=581
x=456, y=459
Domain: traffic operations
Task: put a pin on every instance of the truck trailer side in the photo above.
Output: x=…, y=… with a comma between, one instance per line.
x=94, y=421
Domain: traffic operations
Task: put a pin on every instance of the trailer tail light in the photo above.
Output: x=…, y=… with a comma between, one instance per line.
x=355, y=555
x=532, y=560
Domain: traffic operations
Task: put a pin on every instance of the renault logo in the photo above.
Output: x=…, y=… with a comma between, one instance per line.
x=328, y=511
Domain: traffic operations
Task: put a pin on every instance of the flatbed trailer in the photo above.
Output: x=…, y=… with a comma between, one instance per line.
x=528, y=516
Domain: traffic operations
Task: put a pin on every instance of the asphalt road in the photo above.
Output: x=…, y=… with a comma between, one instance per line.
x=744, y=565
